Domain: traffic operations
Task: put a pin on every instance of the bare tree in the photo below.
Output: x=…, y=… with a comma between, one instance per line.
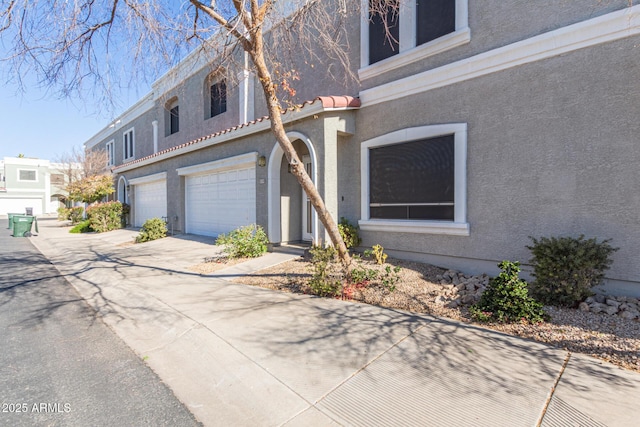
x=74, y=46
x=78, y=164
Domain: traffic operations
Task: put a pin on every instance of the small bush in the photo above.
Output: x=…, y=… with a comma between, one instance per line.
x=377, y=251
x=64, y=214
x=249, y=241
x=75, y=214
x=105, y=216
x=566, y=268
x=326, y=280
x=82, y=227
x=349, y=233
x=152, y=229
x=507, y=300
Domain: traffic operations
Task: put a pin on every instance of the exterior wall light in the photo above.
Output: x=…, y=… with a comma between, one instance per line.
x=262, y=161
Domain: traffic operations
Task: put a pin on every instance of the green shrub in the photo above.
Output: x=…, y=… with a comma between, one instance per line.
x=349, y=233
x=326, y=280
x=506, y=299
x=249, y=241
x=377, y=251
x=152, y=229
x=105, y=216
x=82, y=227
x=75, y=214
x=566, y=268
x=64, y=214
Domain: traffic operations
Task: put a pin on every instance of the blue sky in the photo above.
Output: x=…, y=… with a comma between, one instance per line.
x=38, y=125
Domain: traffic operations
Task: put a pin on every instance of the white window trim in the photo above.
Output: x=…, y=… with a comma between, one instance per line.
x=28, y=180
x=111, y=153
x=409, y=52
x=459, y=226
x=133, y=144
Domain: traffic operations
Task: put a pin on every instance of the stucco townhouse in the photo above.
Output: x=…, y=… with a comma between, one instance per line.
x=31, y=184
x=483, y=123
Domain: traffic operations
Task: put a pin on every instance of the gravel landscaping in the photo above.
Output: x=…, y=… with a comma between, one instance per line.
x=431, y=290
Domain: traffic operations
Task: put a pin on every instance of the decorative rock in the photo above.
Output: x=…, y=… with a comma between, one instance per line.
x=461, y=286
x=440, y=300
x=455, y=280
x=584, y=306
x=600, y=298
x=630, y=315
x=468, y=299
x=471, y=287
x=590, y=300
x=455, y=303
x=597, y=307
x=610, y=309
x=612, y=302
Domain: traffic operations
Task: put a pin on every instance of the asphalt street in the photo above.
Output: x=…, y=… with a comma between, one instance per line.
x=60, y=364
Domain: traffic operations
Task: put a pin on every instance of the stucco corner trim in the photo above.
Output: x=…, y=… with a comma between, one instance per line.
x=148, y=178
x=423, y=227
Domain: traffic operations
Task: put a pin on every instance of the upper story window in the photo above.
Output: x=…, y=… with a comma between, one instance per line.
x=410, y=31
x=27, y=175
x=110, y=154
x=218, y=94
x=175, y=119
x=171, y=117
x=128, y=142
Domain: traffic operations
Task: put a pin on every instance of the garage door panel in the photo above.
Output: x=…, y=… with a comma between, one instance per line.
x=150, y=201
x=218, y=202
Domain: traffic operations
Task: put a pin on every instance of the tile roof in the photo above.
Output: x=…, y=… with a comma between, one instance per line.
x=326, y=102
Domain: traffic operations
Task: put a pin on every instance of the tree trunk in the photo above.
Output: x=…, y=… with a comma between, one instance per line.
x=297, y=167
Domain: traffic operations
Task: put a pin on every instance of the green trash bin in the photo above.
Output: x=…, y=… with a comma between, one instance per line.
x=22, y=225
x=11, y=215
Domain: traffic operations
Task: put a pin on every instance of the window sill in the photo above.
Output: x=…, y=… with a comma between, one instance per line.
x=408, y=226
x=444, y=43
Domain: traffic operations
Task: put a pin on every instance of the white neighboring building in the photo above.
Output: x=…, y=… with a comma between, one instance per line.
x=31, y=183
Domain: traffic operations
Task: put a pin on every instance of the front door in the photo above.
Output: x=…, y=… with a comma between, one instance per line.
x=307, y=209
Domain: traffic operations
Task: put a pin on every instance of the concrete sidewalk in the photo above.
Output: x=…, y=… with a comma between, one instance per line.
x=241, y=355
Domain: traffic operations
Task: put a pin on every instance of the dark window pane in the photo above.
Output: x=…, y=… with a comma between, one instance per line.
x=413, y=172
x=444, y=213
x=383, y=36
x=175, y=119
x=388, y=212
x=435, y=18
x=218, y=98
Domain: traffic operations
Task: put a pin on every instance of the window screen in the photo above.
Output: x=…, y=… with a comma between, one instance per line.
x=435, y=18
x=218, y=98
x=383, y=36
x=413, y=180
x=175, y=119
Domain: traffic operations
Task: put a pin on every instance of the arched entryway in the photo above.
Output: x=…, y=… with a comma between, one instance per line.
x=123, y=196
x=291, y=217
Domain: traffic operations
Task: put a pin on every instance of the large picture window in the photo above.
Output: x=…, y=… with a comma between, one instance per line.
x=414, y=180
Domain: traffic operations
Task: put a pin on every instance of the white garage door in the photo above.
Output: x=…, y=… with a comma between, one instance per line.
x=18, y=205
x=218, y=202
x=150, y=201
